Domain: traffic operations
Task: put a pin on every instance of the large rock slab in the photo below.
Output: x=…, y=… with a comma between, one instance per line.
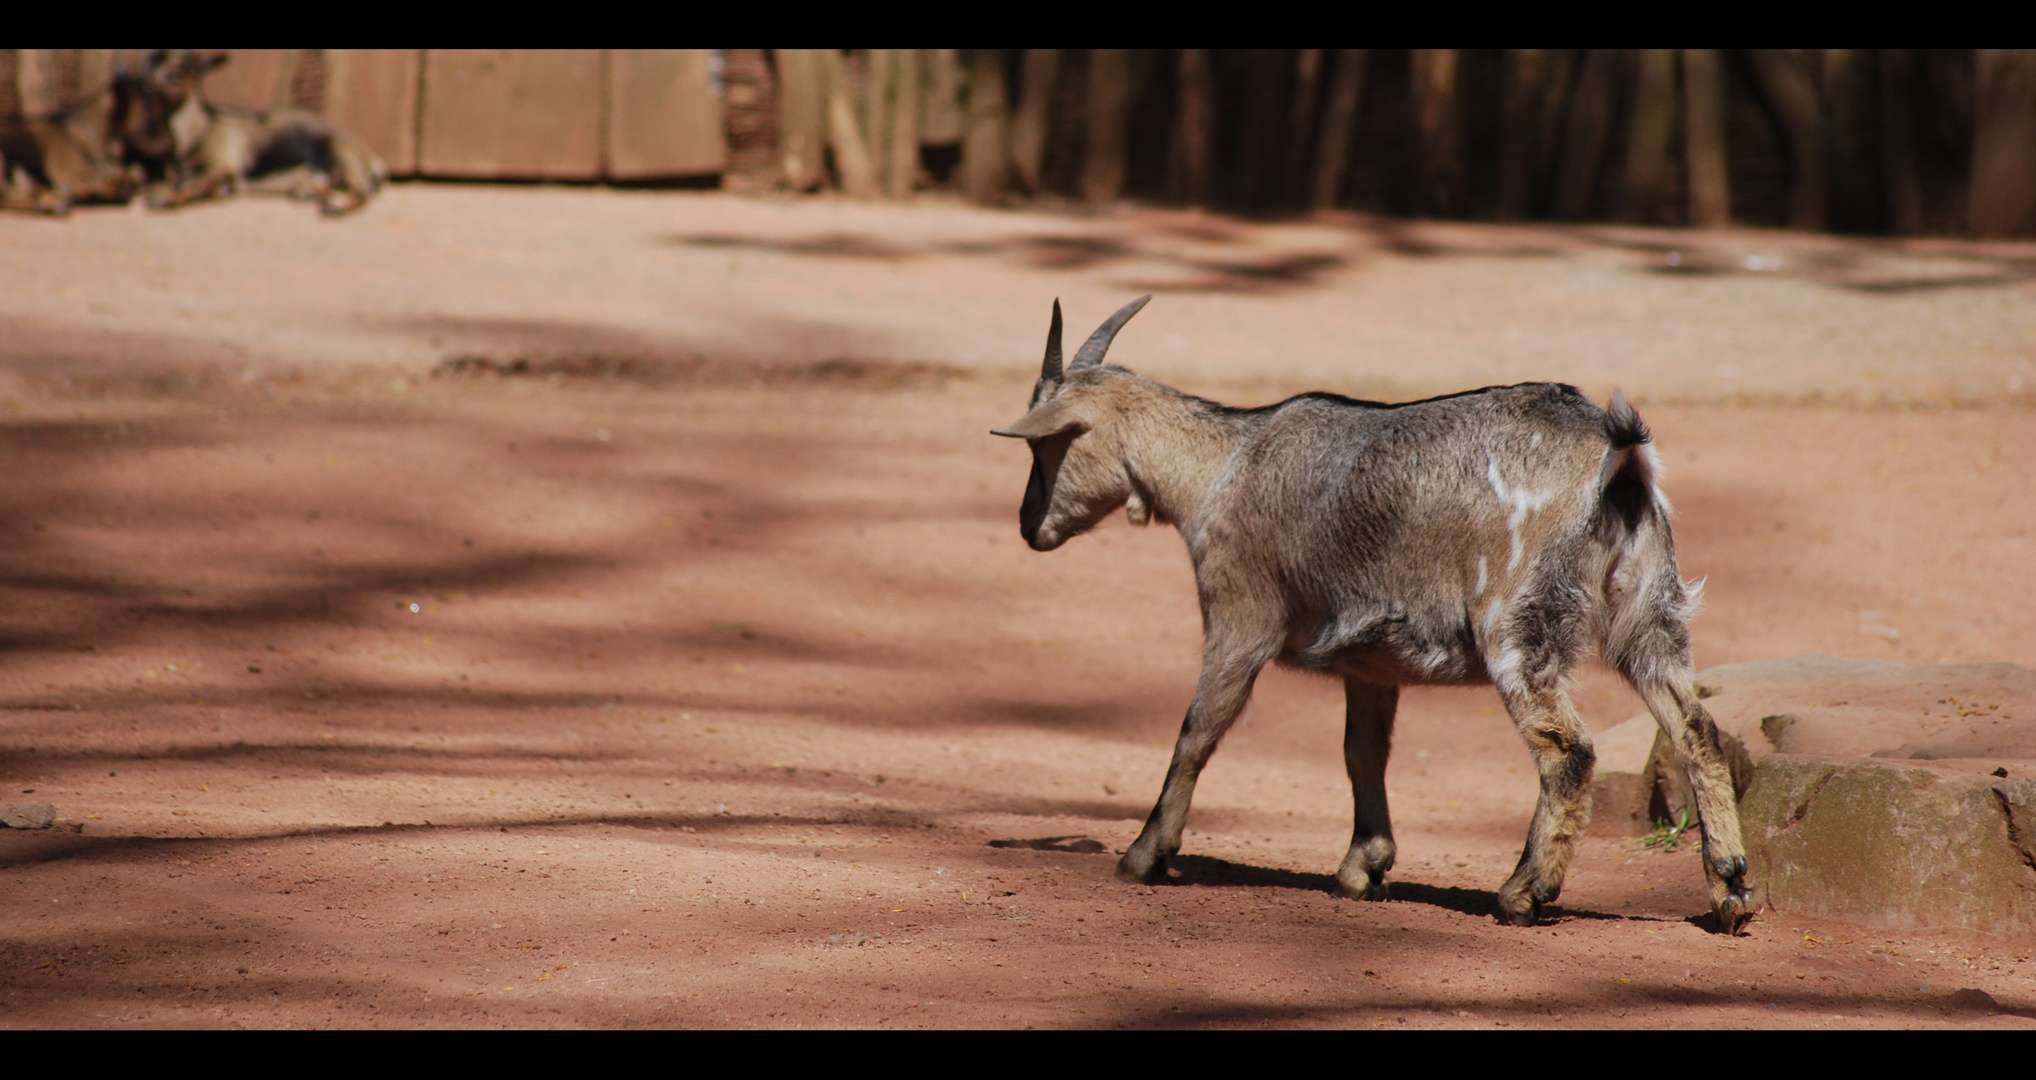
x=1870, y=791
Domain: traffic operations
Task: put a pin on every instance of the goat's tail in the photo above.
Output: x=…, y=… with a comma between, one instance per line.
x=1647, y=606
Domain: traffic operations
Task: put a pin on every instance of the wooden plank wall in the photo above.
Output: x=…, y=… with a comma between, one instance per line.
x=515, y=114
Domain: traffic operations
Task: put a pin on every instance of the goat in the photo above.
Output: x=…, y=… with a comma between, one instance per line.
x=1492, y=536
x=161, y=117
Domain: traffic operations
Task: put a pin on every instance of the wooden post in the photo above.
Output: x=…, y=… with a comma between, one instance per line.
x=1433, y=72
x=802, y=117
x=984, y=164
x=1109, y=111
x=1339, y=124
x=1650, y=138
x=1521, y=91
x=941, y=119
x=1789, y=89
x=1035, y=107
x=851, y=154
x=1301, y=124
x=1898, y=141
x=1194, y=133
x=1704, y=147
x=2003, y=197
x=908, y=73
x=875, y=96
x=1590, y=121
x=1854, y=206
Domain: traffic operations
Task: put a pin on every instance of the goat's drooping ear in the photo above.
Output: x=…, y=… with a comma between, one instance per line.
x=1051, y=418
x=1099, y=342
x=1049, y=371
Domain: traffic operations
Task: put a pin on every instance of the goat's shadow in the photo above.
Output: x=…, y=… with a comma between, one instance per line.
x=1207, y=870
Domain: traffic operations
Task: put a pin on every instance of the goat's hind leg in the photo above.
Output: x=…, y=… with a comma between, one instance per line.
x=1672, y=697
x=1562, y=755
x=1367, y=742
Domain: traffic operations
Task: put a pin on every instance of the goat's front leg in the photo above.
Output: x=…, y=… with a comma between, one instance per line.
x=1562, y=755
x=1367, y=742
x=1228, y=670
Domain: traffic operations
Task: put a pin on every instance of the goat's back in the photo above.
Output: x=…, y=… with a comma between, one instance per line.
x=1389, y=530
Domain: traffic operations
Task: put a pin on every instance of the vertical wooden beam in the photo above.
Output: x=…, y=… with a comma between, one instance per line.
x=1583, y=142
x=2003, y=195
x=1301, y=124
x=802, y=117
x=1793, y=94
x=1898, y=141
x=1524, y=72
x=1433, y=75
x=1109, y=112
x=985, y=166
x=1035, y=107
x=941, y=117
x=1650, y=138
x=852, y=162
x=1194, y=132
x=1339, y=124
x=874, y=97
x=909, y=76
x=1704, y=146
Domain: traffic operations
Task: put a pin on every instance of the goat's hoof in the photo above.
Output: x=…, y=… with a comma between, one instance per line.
x=1733, y=913
x=1140, y=871
x=1372, y=889
x=1518, y=908
x=1731, y=868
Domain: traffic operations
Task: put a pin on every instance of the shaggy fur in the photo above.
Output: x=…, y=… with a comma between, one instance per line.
x=1495, y=536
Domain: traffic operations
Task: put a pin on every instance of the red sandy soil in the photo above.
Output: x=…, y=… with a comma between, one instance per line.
x=729, y=697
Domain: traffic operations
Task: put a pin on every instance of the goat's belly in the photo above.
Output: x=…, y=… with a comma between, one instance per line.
x=1398, y=663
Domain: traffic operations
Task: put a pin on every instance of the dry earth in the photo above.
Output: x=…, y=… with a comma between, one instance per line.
x=715, y=688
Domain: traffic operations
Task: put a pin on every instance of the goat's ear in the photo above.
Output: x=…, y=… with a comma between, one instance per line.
x=1051, y=418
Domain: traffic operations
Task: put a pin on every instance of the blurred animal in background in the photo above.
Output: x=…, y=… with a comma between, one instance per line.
x=197, y=150
x=48, y=165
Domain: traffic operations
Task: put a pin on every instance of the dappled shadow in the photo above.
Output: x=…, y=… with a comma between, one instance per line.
x=1072, y=845
x=1161, y=263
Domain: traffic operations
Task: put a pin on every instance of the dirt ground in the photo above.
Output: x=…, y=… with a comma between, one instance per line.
x=669, y=688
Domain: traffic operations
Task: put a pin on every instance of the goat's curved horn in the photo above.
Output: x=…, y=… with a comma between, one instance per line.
x=1050, y=370
x=1099, y=342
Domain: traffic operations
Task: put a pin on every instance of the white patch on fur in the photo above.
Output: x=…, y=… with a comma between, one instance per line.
x=1522, y=502
x=1480, y=591
x=1492, y=618
x=1506, y=671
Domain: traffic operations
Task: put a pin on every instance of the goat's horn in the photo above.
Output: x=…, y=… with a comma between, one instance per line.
x=1099, y=342
x=1050, y=370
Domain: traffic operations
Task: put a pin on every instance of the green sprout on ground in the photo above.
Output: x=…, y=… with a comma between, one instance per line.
x=1667, y=835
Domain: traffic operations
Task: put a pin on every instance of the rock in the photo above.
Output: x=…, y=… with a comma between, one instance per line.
x=1870, y=791
x=1620, y=786
x=29, y=815
x=1892, y=844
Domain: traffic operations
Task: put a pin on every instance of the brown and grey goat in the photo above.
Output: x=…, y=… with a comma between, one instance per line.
x=1495, y=536
x=202, y=150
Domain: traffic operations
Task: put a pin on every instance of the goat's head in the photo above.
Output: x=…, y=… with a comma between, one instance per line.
x=1078, y=473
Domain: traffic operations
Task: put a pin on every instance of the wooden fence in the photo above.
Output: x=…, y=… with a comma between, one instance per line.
x=1891, y=141
x=565, y=114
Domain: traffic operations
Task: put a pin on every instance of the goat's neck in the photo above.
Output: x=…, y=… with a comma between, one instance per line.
x=1175, y=450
